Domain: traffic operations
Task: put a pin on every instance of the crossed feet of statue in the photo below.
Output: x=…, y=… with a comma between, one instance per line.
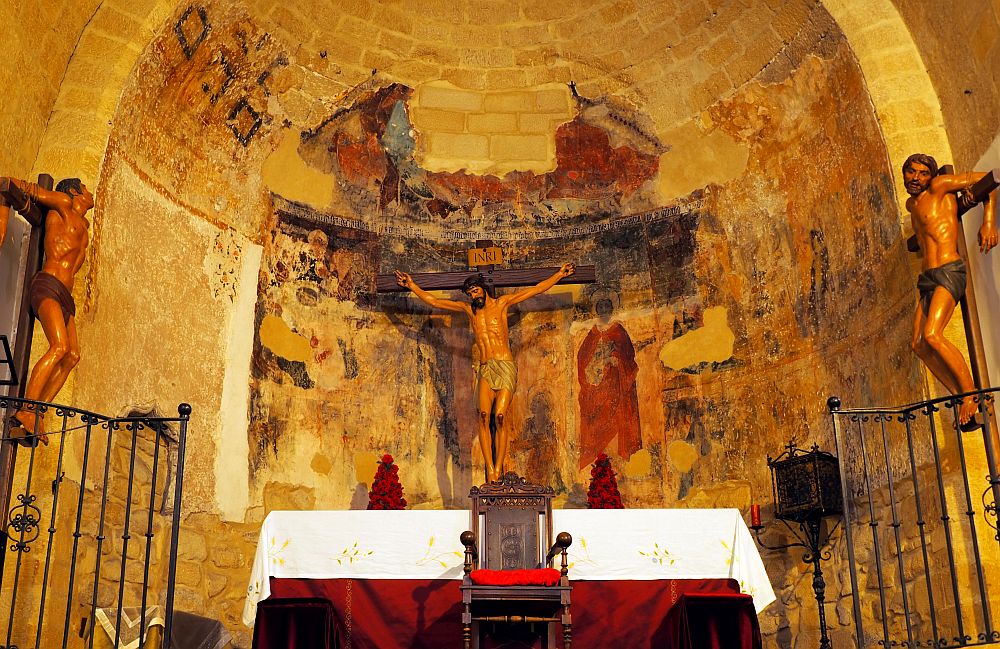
x=969, y=416
x=22, y=427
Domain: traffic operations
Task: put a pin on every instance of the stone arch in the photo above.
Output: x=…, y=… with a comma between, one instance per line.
x=76, y=135
x=900, y=87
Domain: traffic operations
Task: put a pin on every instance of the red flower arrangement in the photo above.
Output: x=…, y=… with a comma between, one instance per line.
x=386, y=491
x=603, y=492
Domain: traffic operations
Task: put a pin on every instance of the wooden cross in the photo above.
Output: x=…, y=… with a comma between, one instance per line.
x=493, y=276
x=12, y=196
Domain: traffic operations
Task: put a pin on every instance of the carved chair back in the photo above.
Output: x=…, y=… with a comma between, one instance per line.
x=512, y=522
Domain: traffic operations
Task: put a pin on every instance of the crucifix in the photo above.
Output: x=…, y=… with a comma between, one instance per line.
x=495, y=370
x=935, y=223
x=49, y=292
x=975, y=194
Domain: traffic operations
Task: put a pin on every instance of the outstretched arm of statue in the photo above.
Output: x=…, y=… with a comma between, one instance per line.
x=963, y=183
x=954, y=183
x=52, y=200
x=404, y=280
x=566, y=270
x=5, y=205
x=988, y=236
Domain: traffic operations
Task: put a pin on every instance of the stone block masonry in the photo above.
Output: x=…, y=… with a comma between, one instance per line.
x=489, y=131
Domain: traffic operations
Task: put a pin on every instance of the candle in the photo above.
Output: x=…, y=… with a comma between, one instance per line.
x=755, y=516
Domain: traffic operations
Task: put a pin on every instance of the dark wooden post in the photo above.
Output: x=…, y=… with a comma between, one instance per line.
x=970, y=311
x=12, y=195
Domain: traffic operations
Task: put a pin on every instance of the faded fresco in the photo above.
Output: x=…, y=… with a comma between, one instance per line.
x=369, y=148
x=710, y=339
x=608, y=401
x=715, y=332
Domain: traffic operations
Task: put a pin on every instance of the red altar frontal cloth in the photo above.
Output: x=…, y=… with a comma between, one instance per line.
x=426, y=614
x=706, y=620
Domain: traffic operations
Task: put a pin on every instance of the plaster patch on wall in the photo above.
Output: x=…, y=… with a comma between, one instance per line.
x=682, y=455
x=365, y=466
x=232, y=487
x=712, y=343
x=287, y=496
x=486, y=132
x=321, y=464
x=277, y=336
x=697, y=159
x=287, y=174
x=725, y=494
x=639, y=465
x=222, y=264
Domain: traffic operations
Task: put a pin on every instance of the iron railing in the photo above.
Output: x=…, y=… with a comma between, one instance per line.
x=920, y=522
x=105, y=542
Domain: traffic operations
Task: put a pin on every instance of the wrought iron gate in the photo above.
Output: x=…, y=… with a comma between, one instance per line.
x=90, y=539
x=920, y=523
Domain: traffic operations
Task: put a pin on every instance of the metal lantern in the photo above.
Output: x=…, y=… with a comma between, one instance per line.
x=806, y=484
x=806, y=488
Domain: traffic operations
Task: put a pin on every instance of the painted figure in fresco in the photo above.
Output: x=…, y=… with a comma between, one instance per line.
x=51, y=292
x=933, y=210
x=609, y=404
x=496, y=372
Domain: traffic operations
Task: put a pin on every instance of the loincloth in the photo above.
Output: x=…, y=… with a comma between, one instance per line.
x=499, y=374
x=46, y=287
x=950, y=276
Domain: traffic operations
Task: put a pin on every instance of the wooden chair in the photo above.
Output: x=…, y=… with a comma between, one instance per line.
x=508, y=557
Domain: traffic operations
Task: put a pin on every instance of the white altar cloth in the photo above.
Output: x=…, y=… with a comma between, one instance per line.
x=611, y=544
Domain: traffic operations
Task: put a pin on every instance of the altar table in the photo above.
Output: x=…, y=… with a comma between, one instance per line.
x=627, y=566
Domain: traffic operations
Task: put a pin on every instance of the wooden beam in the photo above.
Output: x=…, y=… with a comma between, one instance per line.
x=499, y=278
x=981, y=189
x=14, y=196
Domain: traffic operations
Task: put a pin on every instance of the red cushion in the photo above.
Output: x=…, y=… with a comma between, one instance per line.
x=536, y=577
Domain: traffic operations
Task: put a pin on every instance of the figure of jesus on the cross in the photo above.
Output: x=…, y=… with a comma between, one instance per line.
x=934, y=207
x=496, y=376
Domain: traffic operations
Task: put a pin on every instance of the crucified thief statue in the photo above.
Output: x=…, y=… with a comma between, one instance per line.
x=50, y=294
x=933, y=208
x=496, y=373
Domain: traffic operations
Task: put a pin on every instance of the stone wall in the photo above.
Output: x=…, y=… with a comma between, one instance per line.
x=489, y=132
x=37, y=49
x=960, y=47
x=913, y=518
